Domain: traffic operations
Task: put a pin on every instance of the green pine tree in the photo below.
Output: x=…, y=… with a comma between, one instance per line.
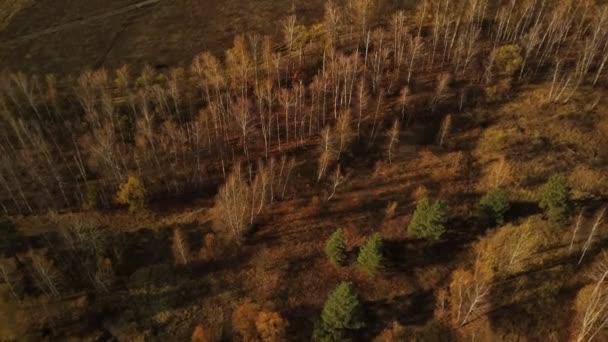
x=555, y=199
x=370, y=255
x=429, y=219
x=342, y=312
x=336, y=248
x=493, y=206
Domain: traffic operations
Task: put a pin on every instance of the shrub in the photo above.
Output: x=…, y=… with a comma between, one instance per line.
x=394, y=332
x=132, y=193
x=209, y=250
x=342, y=311
x=201, y=334
x=180, y=248
x=255, y=325
x=420, y=192
x=390, y=210
x=271, y=327
x=429, y=219
x=244, y=319
x=493, y=207
x=370, y=256
x=507, y=60
x=336, y=248
x=555, y=199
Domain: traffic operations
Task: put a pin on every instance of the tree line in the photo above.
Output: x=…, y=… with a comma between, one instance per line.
x=355, y=77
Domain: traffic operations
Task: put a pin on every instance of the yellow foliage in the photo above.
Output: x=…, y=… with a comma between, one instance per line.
x=393, y=333
x=201, y=334
x=507, y=60
x=421, y=192
x=508, y=249
x=244, y=321
x=271, y=327
x=589, y=181
x=132, y=193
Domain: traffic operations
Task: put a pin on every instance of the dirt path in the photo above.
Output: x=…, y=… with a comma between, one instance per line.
x=80, y=22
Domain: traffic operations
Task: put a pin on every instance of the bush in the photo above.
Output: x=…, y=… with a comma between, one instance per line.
x=132, y=193
x=394, y=332
x=336, y=248
x=555, y=199
x=342, y=311
x=210, y=249
x=390, y=209
x=370, y=255
x=244, y=319
x=429, y=219
x=201, y=334
x=507, y=60
x=493, y=206
x=271, y=327
x=252, y=324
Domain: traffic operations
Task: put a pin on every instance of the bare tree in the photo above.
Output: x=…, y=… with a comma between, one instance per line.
x=344, y=131
x=404, y=101
x=287, y=100
x=590, y=239
x=13, y=279
x=444, y=130
x=443, y=85
x=399, y=31
x=326, y=156
x=336, y=180
x=242, y=116
x=181, y=251
x=393, y=138
x=521, y=244
x=415, y=45
x=592, y=301
x=379, y=60
x=577, y=226
x=469, y=296
x=362, y=101
x=231, y=209
x=46, y=275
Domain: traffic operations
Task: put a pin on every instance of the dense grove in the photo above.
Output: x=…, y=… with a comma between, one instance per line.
x=71, y=141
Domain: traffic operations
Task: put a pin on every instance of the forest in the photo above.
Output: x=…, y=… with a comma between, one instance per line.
x=433, y=174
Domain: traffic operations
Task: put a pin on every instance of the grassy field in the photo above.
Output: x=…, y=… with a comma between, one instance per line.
x=67, y=37
x=9, y=8
x=161, y=33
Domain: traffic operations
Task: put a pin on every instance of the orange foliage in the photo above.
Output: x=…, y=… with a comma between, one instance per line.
x=200, y=334
x=244, y=321
x=271, y=326
x=208, y=251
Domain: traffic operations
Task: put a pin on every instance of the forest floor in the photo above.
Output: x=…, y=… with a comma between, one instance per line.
x=282, y=263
